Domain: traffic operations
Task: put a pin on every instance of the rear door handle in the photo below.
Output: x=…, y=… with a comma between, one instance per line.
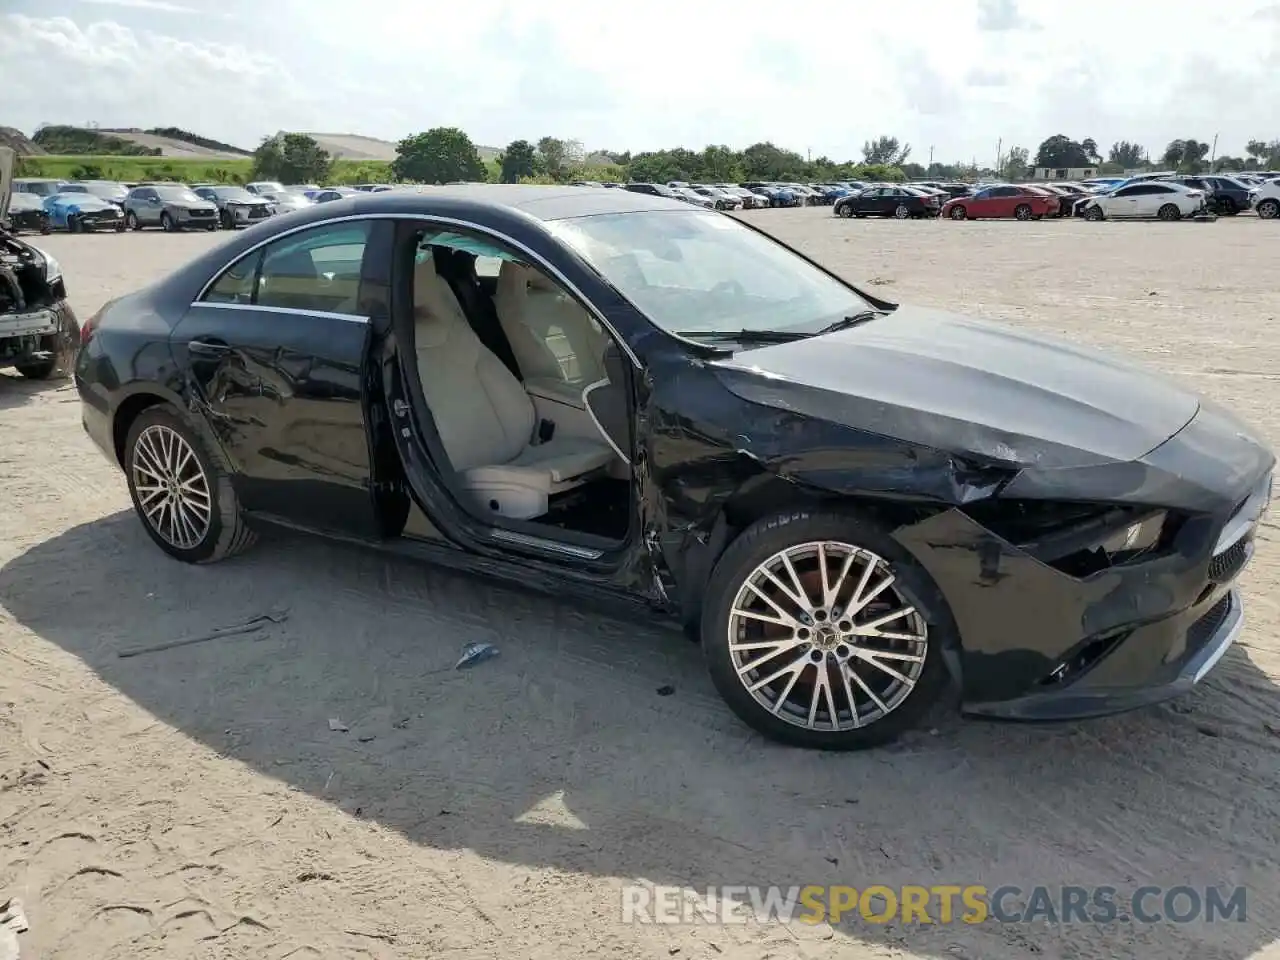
x=208, y=348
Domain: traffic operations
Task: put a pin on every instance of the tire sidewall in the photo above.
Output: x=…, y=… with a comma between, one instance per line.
x=1271, y=206
x=218, y=482
x=772, y=534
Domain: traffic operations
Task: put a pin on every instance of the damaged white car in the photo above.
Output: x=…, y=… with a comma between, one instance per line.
x=39, y=333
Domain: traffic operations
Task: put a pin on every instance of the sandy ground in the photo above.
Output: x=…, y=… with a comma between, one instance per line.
x=194, y=803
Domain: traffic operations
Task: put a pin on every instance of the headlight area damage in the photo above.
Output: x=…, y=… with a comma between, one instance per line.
x=38, y=331
x=1080, y=585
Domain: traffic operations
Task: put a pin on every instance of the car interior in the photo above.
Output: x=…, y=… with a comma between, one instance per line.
x=527, y=391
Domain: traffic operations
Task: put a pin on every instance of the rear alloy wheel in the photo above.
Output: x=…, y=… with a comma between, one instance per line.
x=1269, y=209
x=182, y=495
x=1022, y=212
x=1093, y=213
x=821, y=631
x=958, y=213
x=900, y=212
x=1169, y=212
x=131, y=221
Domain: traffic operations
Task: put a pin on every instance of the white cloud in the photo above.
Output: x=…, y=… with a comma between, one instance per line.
x=160, y=5
x=684, y=73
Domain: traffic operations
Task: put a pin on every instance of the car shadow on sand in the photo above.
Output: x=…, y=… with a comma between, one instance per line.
x=16, y=390
x=568, y=751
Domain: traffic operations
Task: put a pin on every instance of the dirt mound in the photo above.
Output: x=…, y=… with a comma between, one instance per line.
x=22, y=145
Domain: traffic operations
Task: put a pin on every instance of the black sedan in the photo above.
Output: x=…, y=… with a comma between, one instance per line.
x=884, y=200
x=847, y=501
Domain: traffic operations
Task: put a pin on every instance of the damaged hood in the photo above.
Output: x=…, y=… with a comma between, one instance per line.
x=6, y=179
x=969, y=388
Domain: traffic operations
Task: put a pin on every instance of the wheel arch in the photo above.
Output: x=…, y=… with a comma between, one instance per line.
x=762, y=496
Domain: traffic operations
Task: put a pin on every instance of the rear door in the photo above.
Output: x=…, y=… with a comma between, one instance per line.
x=277, y=351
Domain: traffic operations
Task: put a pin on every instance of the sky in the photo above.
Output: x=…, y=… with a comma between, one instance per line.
x=818, y=76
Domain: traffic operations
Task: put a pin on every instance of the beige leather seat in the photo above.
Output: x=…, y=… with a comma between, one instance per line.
x=531, y=309
x=485, y=419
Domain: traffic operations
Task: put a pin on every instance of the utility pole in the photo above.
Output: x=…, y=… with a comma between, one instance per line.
x=1213, y=154
x=999, y=150
x=930, y=160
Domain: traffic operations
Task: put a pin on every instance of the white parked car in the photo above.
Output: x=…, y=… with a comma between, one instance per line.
x=1265, y=199
x=1148, y=198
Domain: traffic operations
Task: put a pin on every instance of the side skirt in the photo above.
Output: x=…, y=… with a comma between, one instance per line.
x=538, y=578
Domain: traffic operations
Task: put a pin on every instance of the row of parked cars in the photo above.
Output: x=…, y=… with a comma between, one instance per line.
x=1164, y=196
x=749, y=195
x=44, y=205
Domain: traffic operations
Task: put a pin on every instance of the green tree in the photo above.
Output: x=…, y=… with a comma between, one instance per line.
x=1264, y=153
x=438, y=155
x=885, y=150
x=1061, y=151
x=1014, y=166
x=551, y=155
x=1127, y=155
x=518, y=161
x=1186, y=156
x=721, y=164
x=1090, y=147
x=292, y=158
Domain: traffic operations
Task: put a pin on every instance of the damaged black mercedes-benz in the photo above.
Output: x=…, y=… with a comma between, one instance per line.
x=38, y=329
x=597, y=392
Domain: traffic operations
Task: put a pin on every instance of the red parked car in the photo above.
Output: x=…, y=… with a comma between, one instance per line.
x=1003, y=200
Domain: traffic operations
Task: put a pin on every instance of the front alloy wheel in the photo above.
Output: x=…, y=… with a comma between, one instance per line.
x=1269, y=209
x=818, y=632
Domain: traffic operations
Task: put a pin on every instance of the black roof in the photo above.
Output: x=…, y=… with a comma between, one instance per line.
x=541, y=202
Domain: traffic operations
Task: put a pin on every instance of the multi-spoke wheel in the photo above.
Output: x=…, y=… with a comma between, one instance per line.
x=183, y=497
x=821, y=631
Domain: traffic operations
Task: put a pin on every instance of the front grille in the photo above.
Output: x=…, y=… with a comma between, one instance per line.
x=1224, y=567
x=257, y=212
x=1203, y=629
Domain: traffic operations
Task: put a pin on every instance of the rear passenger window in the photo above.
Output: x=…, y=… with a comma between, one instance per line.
x=316, y=270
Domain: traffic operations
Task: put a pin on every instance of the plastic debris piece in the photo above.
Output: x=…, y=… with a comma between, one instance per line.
x=337, y=726
x=474, y=653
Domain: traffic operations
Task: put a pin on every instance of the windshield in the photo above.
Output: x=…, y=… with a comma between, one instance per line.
x=233, y=193
x=177, y=194
x=43, y=188
x=696, y=271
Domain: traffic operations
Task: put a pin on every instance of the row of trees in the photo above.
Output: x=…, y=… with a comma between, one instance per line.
x=1187, y=155
x=446, y=154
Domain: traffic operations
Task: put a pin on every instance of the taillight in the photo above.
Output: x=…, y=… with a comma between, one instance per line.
x=86, y=329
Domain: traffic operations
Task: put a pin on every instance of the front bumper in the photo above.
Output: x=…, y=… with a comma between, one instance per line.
x=1037, y=643
x=92, y=219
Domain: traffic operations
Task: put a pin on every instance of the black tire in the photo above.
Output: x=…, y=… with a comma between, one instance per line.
x=764, y=539
x=74, y=225
x=41, y=369
x=958, y=212
x=845, y=210
x=46, y=228
x=1269, y=208
x=120, y=227
x=1022, y=212
x=227, y=533
x=1227, y=207
x=1093, y=213
x=131, y=221
x=224, y=218
x=1169, y=212
x=901, y=212
x=166, y=222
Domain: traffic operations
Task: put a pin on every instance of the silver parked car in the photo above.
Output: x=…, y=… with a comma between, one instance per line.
x=237, y=207
x=286, y=201
x=169, y=206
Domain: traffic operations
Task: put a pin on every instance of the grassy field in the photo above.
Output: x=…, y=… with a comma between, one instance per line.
x=170, y=168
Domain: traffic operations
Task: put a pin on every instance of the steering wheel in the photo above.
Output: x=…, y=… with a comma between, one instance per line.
x=730, y=288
